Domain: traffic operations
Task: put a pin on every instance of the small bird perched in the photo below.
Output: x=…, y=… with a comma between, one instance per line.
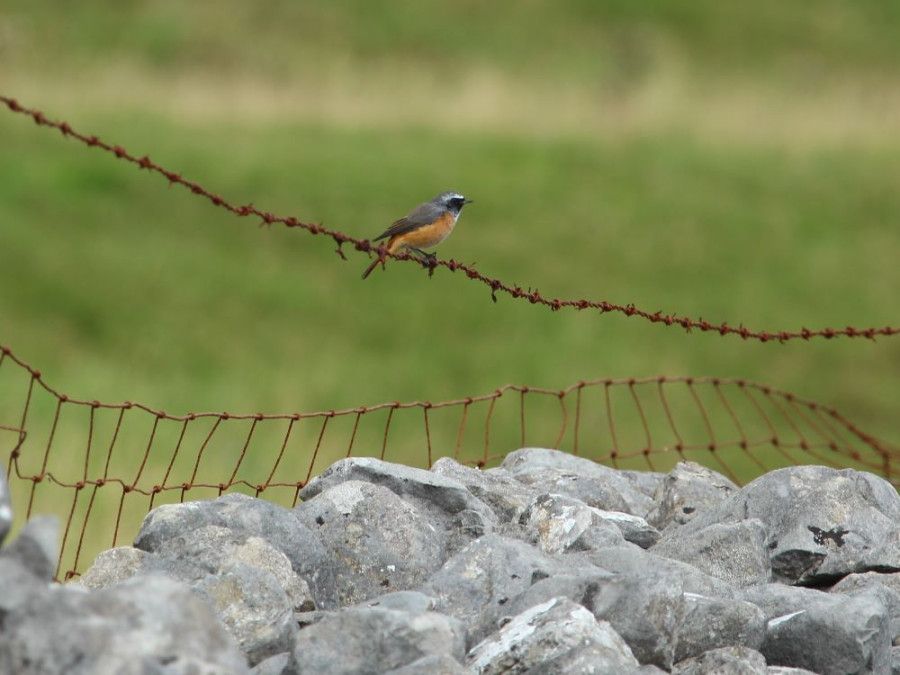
x=425, y=226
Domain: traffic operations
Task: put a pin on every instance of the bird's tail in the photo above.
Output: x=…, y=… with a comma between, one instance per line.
x=371, y=267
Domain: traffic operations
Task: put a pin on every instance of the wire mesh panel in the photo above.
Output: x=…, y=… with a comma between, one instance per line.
x=102, y=466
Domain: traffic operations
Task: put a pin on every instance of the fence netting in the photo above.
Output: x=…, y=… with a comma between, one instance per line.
x=102, y=466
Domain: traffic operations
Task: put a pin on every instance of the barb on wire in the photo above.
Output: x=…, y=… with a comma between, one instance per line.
x=496, y=285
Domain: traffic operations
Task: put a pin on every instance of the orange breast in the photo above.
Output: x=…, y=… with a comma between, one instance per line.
x=425, y=236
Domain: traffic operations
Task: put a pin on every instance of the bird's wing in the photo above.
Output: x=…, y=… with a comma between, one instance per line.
x=424, y=214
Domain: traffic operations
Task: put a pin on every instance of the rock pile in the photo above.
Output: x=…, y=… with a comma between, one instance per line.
x=547, y=564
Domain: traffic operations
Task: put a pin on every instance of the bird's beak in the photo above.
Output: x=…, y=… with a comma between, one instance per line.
x=468, y=201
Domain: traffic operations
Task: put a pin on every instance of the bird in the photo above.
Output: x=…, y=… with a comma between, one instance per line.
x=425, y=226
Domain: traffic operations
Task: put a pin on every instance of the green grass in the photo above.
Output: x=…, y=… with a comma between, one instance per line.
x=121, y=287
x=618, y=41
x=737, y=164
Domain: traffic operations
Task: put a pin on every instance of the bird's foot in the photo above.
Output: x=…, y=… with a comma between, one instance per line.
x=429, y=260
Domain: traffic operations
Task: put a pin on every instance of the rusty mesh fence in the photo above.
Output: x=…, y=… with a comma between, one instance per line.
x=102, y=466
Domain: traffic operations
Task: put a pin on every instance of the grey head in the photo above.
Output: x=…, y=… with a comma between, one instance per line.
x=452, y=201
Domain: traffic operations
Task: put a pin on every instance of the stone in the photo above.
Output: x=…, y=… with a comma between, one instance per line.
x=633, y=528
x=821, y=523
x=645, y=482
x=444, y=502
x=732, y=660
x=709, y=624
x=823, y=632
x=436, y=664
x=274, y=665
x=506, y=496
x=404, y=601
x=647, y=611
x=254, y=607
x=245, y=517
x=576, y=585
x=18, y=586
x=885, y=586
x=6, y=512
x=145, y=624
x=373, y=640
x=250, y=584
x=36, y=547
x=377, y=541
x=687, y=489
x=630, y=559
x=734, y=552
x=558, y=636
x=385, y=569
x=558, y=524
x=486, y=575
x=596, y=485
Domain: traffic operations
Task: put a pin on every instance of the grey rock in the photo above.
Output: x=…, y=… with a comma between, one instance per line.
x=558, y=636
x=734, y=660
x=6, y=512
x=372, y=640
x=885, y=586
x=245, y=517
x=146, y=624
x=403, y=601
x=436, y=664
x=560, y=524
x=559, y=472
x=18, y=586
x=645, y=482
x=259, y=554
x=254, y=607
x=711, y=624
x=647, y=611
x=485, y=576
x=36, y=547
x=631, y=559
x=733, y=552
x=692, y=622
x=823, y=632
x=821, y=523
x=120, y=564
x=249, y=583
x=27, y=564
x=495, y=487
x=853, y=584
x=445, y=502
x=784, y=670
x=274, y=665
x=578, y=587
x=417, y=485
x=305, y=619
x=377, y=541
x=116, y=565
x=688, y=489
x=634, y=528
x=212, y=549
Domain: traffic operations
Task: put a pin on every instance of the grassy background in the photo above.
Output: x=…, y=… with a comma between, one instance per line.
x=736, y=163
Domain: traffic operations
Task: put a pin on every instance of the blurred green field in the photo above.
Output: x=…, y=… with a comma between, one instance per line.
x=735, y=163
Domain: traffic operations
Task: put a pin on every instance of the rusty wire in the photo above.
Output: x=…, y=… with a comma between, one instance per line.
x=496, y=285
x=739, y=428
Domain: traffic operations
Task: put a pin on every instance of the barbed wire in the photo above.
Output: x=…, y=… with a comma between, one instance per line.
x=496, y=285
